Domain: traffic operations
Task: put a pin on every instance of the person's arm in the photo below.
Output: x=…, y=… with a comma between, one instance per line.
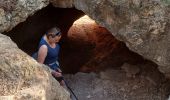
x=42, y=53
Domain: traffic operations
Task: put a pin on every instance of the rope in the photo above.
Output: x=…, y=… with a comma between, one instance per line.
x=70, y=89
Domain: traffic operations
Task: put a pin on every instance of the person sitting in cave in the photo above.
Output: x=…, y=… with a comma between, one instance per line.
x=48, y=53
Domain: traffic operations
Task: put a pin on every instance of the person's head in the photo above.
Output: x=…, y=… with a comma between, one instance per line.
x=53, y=34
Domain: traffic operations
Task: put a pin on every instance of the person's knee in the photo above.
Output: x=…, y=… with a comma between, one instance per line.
x=56, y=74
x=62, y=83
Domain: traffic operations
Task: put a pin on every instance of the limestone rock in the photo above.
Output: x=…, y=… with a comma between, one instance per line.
x=12, y=12
x=62, y=3
x=22, y=78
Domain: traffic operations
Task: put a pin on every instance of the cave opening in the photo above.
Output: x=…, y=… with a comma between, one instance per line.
x=85, y=47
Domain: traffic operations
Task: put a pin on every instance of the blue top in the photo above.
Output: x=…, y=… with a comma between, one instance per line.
x=52, y=54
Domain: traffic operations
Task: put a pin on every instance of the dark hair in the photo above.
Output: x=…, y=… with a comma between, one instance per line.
x=55, y=30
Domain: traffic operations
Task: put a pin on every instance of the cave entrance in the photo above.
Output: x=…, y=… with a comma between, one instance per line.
x=88, y=47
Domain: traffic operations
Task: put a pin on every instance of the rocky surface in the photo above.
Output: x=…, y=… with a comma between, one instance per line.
x=13, y=12
x=22, y=78
x=62, y=3
x=114, y=85
x=86, y=39
x=131, y=70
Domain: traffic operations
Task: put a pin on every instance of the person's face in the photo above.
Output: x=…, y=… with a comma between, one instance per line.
x=55, y=38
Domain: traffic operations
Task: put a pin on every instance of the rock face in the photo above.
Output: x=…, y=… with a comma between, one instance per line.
x=141, y=24
x=12, y=12
x=22, y=78
x=93, y=48
x=62, y=3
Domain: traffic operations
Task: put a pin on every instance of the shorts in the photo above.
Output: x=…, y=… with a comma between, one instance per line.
x=54, y=66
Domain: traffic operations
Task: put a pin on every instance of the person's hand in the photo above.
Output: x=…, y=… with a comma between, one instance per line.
x=59, y=70
x=56, y=74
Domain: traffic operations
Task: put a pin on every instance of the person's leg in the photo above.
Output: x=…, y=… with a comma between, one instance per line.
x=62, y=83
x=58, y=76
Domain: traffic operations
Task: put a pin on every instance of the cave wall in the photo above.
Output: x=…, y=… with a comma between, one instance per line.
x=92, y=48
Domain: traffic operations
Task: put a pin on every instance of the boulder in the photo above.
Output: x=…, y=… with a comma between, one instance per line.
x=22, y=78
x=13, y=12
